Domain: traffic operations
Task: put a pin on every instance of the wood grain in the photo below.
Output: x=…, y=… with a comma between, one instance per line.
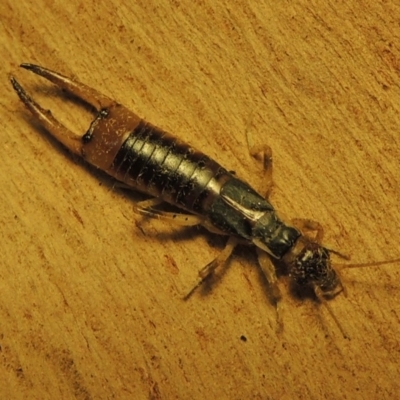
x=90, y=303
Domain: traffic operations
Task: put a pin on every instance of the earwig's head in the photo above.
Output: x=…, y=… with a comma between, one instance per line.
x=312, y=267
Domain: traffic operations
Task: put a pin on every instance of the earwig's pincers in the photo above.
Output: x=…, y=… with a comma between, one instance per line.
x=109, y=130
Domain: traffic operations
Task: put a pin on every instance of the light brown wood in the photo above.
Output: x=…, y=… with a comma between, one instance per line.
x=90, y=303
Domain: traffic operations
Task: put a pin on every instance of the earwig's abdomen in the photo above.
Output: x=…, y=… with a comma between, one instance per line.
x=148, y=159
x=159, y=164
x=156, y=163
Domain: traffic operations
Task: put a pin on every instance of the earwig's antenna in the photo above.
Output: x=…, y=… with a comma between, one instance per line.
x=320, y=296
x=338, y=268
x=368, y=264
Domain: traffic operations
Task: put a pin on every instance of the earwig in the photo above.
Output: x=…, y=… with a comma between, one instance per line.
x=152, y=161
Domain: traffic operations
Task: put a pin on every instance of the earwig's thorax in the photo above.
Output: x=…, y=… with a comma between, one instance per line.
x=239, y=210
x=274, y=236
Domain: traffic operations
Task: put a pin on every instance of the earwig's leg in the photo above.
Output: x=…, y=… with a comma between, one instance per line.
x=268, y=269
x=222, y=258
x=266, y=154
x=146, y=208
x=307, y=225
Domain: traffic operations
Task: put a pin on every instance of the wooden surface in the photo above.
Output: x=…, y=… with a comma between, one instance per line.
x=90, y=303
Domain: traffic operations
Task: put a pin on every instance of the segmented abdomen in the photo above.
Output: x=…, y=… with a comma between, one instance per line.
x=157, y=163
